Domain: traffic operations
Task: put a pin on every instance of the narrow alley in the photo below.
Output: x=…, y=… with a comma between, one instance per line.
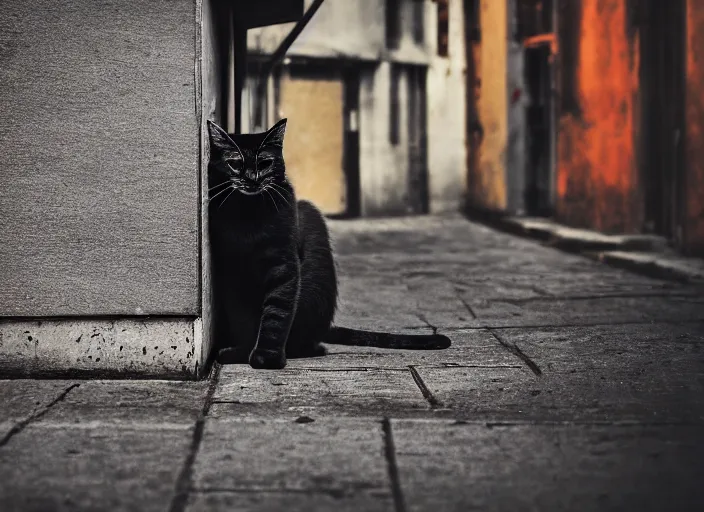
x=570, y=385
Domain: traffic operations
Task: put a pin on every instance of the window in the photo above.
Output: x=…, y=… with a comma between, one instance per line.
x=394, y=107
x=393, y=24
x=419, y=21
x=443, y=27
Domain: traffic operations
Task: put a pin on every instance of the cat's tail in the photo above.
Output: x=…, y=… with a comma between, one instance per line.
x=360, y=338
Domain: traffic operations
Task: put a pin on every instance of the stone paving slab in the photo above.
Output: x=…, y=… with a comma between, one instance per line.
x=580, y=311
x=605, y=373
x=131, y=401
x=23, y=398
x=376, y=392
x=472, y=348
x=64, y=467
x=579, y=414
x=457, y=467
x=288, y=501
x=339, y=457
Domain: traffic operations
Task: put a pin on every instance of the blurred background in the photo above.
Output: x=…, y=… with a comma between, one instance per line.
x=586, y=111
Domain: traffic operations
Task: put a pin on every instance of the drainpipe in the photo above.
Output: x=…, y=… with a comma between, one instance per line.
x=278, y=55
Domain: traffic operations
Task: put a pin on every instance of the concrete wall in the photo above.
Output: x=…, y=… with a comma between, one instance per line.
x=447, y=112
x=99, y=159
x=213, y=59
x=694, y=132
x=101, y=150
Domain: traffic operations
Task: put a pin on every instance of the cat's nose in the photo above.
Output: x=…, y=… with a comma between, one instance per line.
x=250, y=175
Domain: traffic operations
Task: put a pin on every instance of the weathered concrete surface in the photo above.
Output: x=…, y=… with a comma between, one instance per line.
x=325, y=391
x=570, y=385
x=61, y=466
x=339, y=456
x=290, y=501
x=132, y=347
x=450, y=466
x=127, y=402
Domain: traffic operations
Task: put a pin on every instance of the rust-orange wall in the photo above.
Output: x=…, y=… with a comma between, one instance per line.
x=694, y=131
x=597, y=180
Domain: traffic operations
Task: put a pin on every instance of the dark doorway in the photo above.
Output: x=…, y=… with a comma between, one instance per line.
x=662, y=78
x=351, y=142
x=535, y=29
x=417, y=141
x=539, y=130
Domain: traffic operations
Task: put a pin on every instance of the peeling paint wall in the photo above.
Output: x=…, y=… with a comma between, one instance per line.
x=597, y=179
x=694, y=133
x=447, y=148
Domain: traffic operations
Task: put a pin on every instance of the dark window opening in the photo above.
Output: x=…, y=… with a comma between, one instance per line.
x=394, y=107
x=534, y=18
x=443, y=27
x=393, y=24
x=419, y=21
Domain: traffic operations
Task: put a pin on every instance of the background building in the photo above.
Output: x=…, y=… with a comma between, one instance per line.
x=374, y=94
x=612, y=113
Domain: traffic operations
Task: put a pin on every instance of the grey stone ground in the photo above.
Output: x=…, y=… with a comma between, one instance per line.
x=570, y=386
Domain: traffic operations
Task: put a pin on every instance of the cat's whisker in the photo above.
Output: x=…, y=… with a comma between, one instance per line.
x=226, y=198
x=282, y=196
x=216, y=195
x=268, y=187
x=273, y=200
x=224, y=183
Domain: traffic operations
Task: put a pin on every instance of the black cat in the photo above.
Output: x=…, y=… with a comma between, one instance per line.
x=274, y=281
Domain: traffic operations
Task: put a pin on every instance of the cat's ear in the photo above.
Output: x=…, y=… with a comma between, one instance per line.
x=275, y=135
x=219, y=138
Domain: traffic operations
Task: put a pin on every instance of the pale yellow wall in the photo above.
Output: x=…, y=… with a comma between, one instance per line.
x=314, y=140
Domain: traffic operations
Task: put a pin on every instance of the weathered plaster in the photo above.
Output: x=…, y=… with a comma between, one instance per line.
x=597, y=178
x=383, y=166
x=447, y=149
x=694, y=131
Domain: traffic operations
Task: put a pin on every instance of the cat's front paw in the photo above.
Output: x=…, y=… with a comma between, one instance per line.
x=261, y=359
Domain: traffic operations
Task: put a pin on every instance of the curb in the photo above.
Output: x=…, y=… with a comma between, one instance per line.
x=643, y=254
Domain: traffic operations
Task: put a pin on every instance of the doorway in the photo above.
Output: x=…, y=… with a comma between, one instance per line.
x=662, y=78
x=312, y=102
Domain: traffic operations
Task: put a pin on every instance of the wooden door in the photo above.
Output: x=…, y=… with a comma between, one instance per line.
x=314, y=149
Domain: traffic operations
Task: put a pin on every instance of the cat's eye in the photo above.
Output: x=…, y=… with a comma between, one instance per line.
x=265, y=162
x=234, y=165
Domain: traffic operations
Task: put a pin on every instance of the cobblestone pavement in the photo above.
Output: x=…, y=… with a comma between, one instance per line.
x=569, y=386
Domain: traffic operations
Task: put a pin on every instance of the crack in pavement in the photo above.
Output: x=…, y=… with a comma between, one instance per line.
x=20, y=426
x=422, y=318
x=427, y=394
x=394, y=479
x=185, y=478
x=465, y=304
x=515, y=350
